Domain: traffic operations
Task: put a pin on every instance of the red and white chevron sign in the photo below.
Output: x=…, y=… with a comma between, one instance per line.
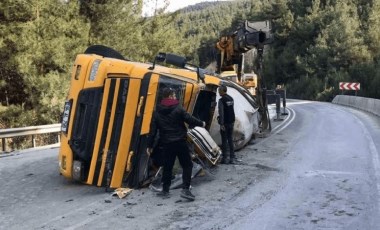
x=349, y=85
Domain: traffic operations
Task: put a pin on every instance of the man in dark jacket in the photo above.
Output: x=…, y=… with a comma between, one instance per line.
x=169, y=119
x=226, y=121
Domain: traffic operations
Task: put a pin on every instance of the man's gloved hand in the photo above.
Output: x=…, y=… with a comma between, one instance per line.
x=222, y=128
x=149, y=151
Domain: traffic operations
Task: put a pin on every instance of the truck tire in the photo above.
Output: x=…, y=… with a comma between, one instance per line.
x=104, y=51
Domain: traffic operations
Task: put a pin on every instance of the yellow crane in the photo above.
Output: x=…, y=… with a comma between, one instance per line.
x=232, y=47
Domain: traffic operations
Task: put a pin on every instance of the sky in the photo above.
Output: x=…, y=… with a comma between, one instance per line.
x=174, y=4
x=177, y=4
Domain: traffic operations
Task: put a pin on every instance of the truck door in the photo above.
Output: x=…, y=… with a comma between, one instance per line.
x=185, y=93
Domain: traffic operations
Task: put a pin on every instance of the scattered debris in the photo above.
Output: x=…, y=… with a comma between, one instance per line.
x=130, y=203
x=122, y=192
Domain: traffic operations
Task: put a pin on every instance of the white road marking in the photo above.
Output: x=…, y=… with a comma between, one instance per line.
x=285, y=123
x=299, y=102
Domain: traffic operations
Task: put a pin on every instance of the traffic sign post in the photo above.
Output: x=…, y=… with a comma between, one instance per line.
x=349, y=86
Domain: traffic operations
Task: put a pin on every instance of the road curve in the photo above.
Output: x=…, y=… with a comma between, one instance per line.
x=332, y=173
x=318, y=169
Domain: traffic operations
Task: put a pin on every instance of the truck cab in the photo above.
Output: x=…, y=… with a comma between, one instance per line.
x=107, y=115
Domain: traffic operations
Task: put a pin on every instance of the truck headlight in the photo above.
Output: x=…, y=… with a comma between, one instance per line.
x=78, y=171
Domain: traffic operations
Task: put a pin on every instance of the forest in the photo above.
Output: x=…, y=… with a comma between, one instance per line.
x=317, y=44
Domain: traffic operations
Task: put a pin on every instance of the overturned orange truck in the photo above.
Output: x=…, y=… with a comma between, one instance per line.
x=109, y=107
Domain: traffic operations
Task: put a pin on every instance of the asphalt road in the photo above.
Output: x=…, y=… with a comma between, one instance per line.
x=318, y=169
x=332, y=173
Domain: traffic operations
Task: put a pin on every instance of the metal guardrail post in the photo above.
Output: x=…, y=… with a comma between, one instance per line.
x=282, y=92
x=4, y=144
x=34, y=141
x=278, y=108
x=271, y=96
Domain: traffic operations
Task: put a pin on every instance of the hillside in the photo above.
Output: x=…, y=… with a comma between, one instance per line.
x=39, y=43
x=202, y=6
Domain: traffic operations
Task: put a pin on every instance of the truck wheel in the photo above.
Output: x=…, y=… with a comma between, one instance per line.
x=104, y=51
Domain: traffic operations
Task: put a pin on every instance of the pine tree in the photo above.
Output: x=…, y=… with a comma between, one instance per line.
x=45, y=37
x=374, y=30
x=113, y=23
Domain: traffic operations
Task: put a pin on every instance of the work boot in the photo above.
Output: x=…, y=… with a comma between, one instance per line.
x=185, y=193
x=163, y=194
x=232, y=161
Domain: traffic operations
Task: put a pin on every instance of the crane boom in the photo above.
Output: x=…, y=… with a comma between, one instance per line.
x=248, y=36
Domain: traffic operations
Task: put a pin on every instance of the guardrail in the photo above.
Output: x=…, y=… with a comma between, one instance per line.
x=27, y=131
x=274, y=97
x=371, y=105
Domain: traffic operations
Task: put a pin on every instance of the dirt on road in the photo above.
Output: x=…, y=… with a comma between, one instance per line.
x=35, y=196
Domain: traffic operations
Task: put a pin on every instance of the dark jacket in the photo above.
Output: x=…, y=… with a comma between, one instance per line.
x=169, y=118
x=226, y=110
